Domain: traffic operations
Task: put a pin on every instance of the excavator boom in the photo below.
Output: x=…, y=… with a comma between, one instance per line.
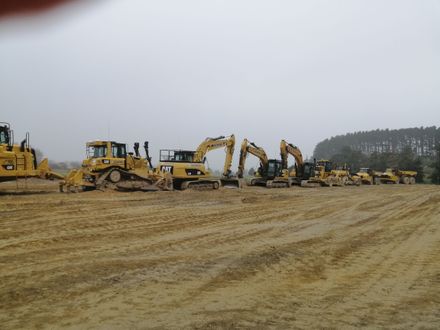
x=253, y=149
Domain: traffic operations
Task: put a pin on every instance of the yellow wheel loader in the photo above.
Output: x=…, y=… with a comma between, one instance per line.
x=396, y=176
x=270, y=173
x=188, y=170
x=20, y=161
x=109, y=166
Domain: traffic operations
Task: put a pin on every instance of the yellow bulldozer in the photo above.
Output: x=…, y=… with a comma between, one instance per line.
x=327, y=176
x=20, y=161
x=108, y=165
x=270, y=173
x=188, y=170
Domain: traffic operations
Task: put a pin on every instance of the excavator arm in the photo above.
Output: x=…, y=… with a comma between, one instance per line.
x=215, y=143
x=288, y=148
x=250, y=147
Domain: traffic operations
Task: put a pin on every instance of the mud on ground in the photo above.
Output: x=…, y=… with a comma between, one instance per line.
x=252, y=258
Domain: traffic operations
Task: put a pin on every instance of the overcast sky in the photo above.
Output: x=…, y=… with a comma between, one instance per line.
x=175, y=72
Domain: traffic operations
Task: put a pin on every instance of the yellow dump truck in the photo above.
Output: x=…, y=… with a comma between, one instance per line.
x=396, y=176
x=369, y=176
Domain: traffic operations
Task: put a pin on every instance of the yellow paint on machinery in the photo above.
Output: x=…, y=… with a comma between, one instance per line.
x=108, y=165
x=188, y=169
x=394, y=175
x=20, y=161
x=270, y=173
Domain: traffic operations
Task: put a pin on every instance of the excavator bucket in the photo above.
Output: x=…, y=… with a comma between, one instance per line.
x=232, y=183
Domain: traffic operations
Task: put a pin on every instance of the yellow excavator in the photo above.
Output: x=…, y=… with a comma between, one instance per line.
x=20, y=161
x=303, y=170
x=270, y=173
x=109, y=166
x=188, y=170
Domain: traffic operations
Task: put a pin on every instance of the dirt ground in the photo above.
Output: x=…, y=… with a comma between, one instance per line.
x=252, y=258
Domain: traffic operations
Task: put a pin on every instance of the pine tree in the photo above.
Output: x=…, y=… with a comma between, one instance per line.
x=435, y=176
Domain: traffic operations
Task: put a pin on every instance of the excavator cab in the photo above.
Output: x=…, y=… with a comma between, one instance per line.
x=308, y=170
x=274, y=169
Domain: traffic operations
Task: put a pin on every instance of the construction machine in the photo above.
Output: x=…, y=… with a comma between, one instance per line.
x=394, y=175
x=270, y=172
x=20, y=161
x=188, y=170
x=303, y=170
x=108, y=165
x=369, y=176
x=325, y=175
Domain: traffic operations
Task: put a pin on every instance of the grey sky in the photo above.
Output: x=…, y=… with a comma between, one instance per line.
x=174, y=72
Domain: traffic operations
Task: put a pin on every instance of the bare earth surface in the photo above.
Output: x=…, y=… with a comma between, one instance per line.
x=255, y=258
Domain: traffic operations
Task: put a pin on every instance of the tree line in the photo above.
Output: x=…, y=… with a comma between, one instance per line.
x=405, y=157
x=421, y=140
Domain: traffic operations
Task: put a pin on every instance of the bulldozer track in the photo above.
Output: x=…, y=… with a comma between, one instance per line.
x=339, y=257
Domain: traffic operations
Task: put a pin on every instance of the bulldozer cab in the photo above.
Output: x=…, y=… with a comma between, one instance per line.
x=104, y=154
x=326, y=165
x=366, y=170
x=4, y=134
x=104, y=149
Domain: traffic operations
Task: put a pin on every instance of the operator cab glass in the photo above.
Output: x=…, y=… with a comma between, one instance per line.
x=118, y=150
x=97, y=151
x=274, y=168
x=177, y=156
x=4, y=135
x=308, y=170
x=326, y=164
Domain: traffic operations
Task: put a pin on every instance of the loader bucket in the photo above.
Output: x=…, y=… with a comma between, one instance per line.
x=232, y=183
x=310, y=184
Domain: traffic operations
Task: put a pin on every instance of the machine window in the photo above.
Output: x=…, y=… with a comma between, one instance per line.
x=97, y=152
x=118, y=151
x=3, y=137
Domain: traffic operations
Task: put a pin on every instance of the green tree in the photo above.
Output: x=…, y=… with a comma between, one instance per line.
x=435, y=165
x=353, y=159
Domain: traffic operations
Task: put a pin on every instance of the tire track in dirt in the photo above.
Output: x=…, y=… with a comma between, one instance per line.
x=252, y=258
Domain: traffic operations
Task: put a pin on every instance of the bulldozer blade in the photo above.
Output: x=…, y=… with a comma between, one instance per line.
x=136, y=186
x=232, y=183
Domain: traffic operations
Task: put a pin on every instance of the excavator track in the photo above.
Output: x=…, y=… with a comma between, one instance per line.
x=201, y=185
